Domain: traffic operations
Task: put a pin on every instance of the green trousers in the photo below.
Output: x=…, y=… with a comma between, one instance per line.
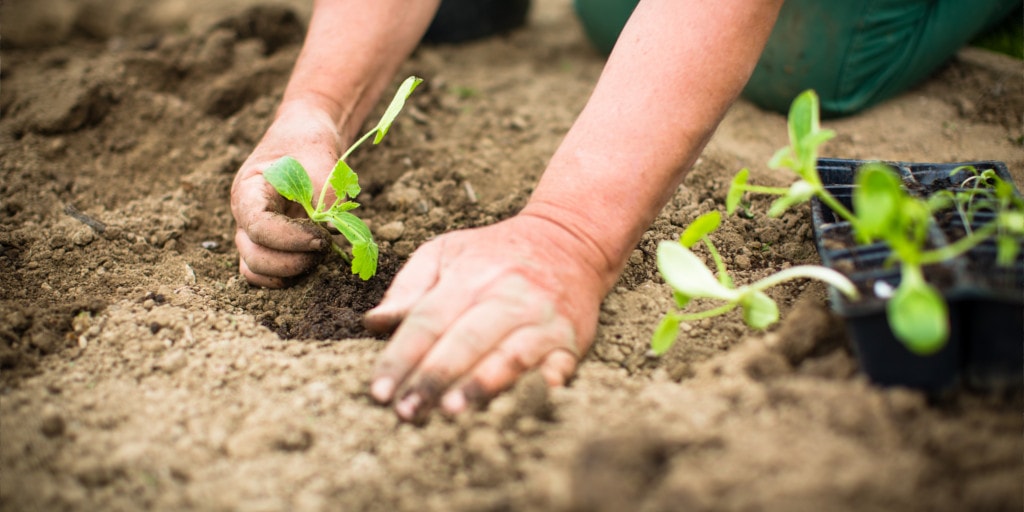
x=854, y=53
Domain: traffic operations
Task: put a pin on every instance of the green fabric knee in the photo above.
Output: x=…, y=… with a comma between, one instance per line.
x=857, y=53
x=854, y=53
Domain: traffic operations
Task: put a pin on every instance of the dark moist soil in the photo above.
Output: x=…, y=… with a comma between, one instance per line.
x=139, y=372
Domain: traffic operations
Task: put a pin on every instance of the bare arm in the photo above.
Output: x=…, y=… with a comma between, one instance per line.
x=478, y=308
x=352, y=50
x=675, y=70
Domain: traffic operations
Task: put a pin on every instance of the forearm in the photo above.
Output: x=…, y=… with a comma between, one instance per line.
x=351, y=52
x=674, y=72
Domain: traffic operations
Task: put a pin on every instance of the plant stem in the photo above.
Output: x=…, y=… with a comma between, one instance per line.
x=841, y=282
x=958, y=247
x=837, y=207
x=723, y=273
x=760, y=189
x=340, y=252
x=700, y=315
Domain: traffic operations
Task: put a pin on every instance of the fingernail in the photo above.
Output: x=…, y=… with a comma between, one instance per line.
x=406, y=408
x=317, y=244
x=382, y=389
x=454, y=402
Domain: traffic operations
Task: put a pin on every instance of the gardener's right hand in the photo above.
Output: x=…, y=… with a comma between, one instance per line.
x=275, y=240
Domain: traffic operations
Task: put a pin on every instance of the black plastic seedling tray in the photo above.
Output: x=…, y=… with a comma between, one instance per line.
x=986, y=302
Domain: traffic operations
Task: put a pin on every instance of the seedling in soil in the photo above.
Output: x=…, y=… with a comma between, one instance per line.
x=691, y=279
x=292, y=181
x=886, y=212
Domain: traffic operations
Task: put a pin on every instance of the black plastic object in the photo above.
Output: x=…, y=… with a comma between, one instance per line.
x=457, y=21
x=986, y=302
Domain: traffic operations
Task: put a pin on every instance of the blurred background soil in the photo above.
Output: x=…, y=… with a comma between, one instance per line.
x=137, y=371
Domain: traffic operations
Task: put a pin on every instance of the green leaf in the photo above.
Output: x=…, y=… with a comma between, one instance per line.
x=918, y=315
x=665, y=335
x=686, y=273
x=343, y=207
x=803, y=118
x=784, y=157
x=759, y=310
x=364, y=260
x=395, y=107
x=1007, y=248
x=1011, y=222
x=941, y=200
x=877, y=200
x=364, y=250
x=736, y=189
x=701, y=227
x=291, y=180
x=344, y=180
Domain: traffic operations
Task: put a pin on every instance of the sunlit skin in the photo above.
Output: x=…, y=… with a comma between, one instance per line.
x=473, y=310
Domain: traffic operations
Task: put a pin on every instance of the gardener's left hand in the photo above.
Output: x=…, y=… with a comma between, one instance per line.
x=475, y=309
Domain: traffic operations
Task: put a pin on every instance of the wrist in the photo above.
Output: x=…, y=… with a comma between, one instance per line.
x=574, y=234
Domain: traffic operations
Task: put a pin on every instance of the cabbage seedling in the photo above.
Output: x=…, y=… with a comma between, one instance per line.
x=917, y=313
x=292, y=181
x=691, y=279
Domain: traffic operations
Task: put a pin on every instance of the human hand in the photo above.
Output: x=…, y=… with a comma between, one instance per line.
x=275, y=241
x=475, y=309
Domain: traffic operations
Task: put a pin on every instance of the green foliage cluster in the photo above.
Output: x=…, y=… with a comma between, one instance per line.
x=885, y=211
x=292, y=181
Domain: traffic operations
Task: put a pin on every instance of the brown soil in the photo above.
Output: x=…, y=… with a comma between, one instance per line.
x=138, y=372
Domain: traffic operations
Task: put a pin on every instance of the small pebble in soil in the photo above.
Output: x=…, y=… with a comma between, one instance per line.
x=53, y=424
x=391, y=231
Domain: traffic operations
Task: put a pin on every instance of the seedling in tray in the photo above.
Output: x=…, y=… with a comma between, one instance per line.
x=292, y=181
x=883, y=210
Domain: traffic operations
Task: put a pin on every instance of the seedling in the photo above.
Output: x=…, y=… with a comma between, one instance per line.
x=986, y=192
x=292, y=181
x=916, y=311
x=691, y=279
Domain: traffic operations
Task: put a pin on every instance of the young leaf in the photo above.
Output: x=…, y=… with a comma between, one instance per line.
x=364, y=259
x=732, y=201
x=803, y=118
x=364, y=250
x=759, y=310
x=877, y=199
x=343, y=207
x=344, y=181
x=1007, y=248
x=290, y=179
x=918, y=316
x=685, y=272
x=395, y=107
x=665, y=335
x=783, y=158
x=701, y=227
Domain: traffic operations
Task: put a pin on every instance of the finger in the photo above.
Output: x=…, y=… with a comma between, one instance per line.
x=264, y=261
x=425, y=322
x=552, y=347
x=469, y=338
x=282, y=233
x=258, y=279
x=411, y=283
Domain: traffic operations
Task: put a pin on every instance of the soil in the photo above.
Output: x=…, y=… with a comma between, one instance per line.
x=138, y=372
